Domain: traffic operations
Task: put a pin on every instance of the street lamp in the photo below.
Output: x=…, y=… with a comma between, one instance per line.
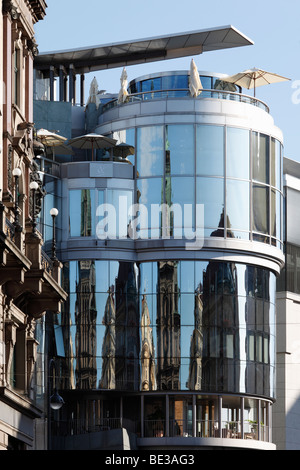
x=17, y=173
x=33, y=186
x=53, y=213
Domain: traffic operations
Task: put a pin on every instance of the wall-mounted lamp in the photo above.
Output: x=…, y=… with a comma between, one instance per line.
x=55, y=401
x=17, y=173
x=33, y=186
x=54, y=214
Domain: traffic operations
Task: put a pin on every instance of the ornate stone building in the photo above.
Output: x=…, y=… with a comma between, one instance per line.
x=29, y=279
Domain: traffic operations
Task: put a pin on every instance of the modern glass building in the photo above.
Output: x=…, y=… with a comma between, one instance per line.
x=170, y=252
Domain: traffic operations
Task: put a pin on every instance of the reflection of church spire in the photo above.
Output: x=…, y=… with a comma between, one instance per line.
x=86, y=315
x=168, y=326
x=196, y=348
x=147, y=353
x=86, y=217
x=109, y=344
x=127, y=328
x=221, y=227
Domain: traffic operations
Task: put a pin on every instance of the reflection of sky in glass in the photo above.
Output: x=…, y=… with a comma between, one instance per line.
x=150, y=151
x=180, y=144
x=237, y=157
x=210, y=150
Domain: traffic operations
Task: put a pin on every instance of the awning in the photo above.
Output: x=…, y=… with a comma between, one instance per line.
x=88, y=59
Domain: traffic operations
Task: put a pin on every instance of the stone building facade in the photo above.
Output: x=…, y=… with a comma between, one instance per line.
x=29, y=279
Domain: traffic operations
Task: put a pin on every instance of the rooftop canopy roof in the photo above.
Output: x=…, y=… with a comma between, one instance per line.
x=113, y=55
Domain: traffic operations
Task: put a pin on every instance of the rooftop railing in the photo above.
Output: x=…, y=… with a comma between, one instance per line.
x=184, y=93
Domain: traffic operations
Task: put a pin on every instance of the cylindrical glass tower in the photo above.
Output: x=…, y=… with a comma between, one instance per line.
x=170, y=261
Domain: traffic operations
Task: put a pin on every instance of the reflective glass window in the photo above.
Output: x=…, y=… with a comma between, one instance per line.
x=237, y=204
x=150, y=198
x=125, y=136
x=174, y=81
x=154, y=332
x=181, y=200
x=150, y=147
x=276, y=213
x=121, y=201
x=82, y=212
x=210, y=150
x=210, y=193
x=260, y=208
x=151, y=84
x=237, y=156
x=275, y=163
x=260, y=157
x=179, y=149
x=206, y=82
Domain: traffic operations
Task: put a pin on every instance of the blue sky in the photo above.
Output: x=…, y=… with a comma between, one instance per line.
x=273, y=26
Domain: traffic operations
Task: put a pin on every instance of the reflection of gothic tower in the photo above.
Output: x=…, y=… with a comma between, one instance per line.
x=127, y=328
x=86, y=217
x=86, y=315
x=168, y=218
x=109, y=344
x=220, y=325
x=196, y=348
x=168, y=327
x=147, y=353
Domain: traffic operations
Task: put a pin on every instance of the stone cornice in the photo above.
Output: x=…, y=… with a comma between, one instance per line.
x=38, y=8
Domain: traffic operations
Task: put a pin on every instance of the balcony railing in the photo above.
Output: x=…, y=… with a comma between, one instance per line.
x=184, y=93
x=47, y=263
x=158, y=428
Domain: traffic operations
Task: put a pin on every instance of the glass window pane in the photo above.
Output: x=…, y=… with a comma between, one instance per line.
x=260, y=157
x=82, y=212
x=275, y=213
x=210, y=192
x=237, y=204
x=179, y=150
x=210, y=150
x=150, y=151
x=149, y=193
x=126, y=136
x=260, y=209
x=237, y=157
x=275, y=163
x=121, y=200
x=182, y=202
x=174, y=81
x=151, y=84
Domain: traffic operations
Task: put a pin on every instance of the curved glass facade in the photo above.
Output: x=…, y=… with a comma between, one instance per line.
x=169, y=325
x=235, y=173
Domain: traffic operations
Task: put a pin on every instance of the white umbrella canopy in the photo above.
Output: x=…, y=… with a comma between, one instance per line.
x=94, y=93
x=92, y=141
x=195, y=85
x=51, y=139
x=123, y=93
x=253, y=78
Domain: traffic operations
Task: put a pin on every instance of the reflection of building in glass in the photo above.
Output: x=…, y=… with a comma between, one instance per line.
x=186, y=349
x=196, y=348
x=168, y=327
x=127, y=328
x=108, y=379
x=86, y=316
x=86, y=217
x=148, y=372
